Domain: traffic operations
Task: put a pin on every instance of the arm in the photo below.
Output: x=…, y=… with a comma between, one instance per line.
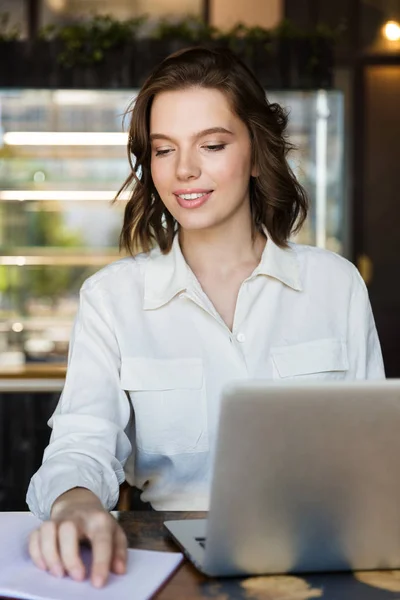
x=88, y=446
x=82, y=468
x=365, y=356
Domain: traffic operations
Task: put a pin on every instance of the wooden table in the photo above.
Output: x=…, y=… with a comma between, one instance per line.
x=145, y=530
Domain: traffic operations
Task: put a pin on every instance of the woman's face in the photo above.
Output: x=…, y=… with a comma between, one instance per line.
x=200, y=157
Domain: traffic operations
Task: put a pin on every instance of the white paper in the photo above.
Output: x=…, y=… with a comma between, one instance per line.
x=19, y=578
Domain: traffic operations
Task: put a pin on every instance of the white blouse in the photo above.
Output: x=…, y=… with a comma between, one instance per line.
x=149, y=356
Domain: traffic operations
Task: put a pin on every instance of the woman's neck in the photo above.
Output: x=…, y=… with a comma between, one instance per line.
x=223, y=249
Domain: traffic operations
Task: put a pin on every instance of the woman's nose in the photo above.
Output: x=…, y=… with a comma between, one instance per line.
x=187, y=166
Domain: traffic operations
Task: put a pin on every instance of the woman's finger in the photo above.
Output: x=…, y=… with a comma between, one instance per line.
x=68, y=541
x=120, y=551
x=102, y=550
x=49, y=548
x=35, y=551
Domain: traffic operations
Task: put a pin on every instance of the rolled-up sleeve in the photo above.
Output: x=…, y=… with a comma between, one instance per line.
x=365, y=355
x=88, y=445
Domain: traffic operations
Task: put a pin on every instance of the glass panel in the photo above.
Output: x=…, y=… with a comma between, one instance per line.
x=57, y=223
x=53, y=186
x=316, y=121
x=37, y=306
x=34, y=226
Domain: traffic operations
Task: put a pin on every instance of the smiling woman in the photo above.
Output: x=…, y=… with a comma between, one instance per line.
x=211, y=165
x=215, y=294
x=190, y=197
x=203, y=112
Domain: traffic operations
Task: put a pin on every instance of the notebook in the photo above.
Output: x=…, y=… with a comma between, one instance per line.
x=19, y=578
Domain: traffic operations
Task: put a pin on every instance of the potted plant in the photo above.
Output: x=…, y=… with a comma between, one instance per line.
x=167, y=36
x=106, y=53
x=96, y=53
x=304, y=58
x=316, y=59
x=257, y=53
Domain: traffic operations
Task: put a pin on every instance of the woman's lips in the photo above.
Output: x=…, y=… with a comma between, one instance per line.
x=195, y=203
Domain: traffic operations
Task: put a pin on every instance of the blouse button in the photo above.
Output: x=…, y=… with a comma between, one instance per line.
x=240, y=337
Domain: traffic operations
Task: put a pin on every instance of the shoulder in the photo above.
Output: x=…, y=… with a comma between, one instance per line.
x=326, y=265
x=113, y=276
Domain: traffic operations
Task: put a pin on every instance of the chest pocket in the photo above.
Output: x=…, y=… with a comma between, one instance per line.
x=168, y=398
x=319, y=359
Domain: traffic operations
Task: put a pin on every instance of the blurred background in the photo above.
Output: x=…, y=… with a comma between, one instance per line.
x=69, y=70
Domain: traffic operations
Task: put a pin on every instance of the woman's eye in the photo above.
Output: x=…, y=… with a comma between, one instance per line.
x=215, y=147
x=162, y=152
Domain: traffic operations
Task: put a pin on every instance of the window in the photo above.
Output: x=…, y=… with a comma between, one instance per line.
x=62, y=159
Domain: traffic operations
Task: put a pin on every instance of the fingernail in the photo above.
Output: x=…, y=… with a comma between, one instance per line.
x=77, y=574
x=98, y=581
x=57, y=571
x=121, y=566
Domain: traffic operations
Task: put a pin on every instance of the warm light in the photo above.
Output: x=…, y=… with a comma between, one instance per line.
x=60, y=260
x=63, y=196
x=392, y=31
x=77, y=97
x=57, y=5
x=64, y=138
x=17, y=327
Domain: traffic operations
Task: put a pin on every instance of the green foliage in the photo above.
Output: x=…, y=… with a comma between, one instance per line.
x=190, y=29
x=87, y=43
x=257, y=34
x=3, y=278
x=8, y=32
x=287, y=30
x=324, y=31
x=243, y=38
x=48, y=282
x=47, y=33
x=49, y=230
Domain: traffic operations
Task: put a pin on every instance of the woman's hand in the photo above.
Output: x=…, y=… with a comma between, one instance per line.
x=76, y=516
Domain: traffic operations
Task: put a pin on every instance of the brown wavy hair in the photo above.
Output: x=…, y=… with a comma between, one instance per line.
x=277, y=199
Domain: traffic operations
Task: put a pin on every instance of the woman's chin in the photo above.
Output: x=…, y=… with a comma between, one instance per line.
x=196, y=224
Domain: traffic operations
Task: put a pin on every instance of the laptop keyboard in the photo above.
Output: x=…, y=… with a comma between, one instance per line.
x=201, y=541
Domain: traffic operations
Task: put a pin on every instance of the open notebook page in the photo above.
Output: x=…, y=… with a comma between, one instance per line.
x=19, y=578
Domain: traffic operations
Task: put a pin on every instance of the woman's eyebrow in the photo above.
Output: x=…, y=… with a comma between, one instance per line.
x=209, y=131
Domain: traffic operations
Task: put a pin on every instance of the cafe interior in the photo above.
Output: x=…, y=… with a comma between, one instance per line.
x=63, y=158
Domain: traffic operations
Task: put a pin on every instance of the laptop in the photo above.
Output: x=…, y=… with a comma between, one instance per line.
x=306, y=478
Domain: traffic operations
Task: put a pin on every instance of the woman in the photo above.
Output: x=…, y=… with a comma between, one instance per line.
x=217, y=293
